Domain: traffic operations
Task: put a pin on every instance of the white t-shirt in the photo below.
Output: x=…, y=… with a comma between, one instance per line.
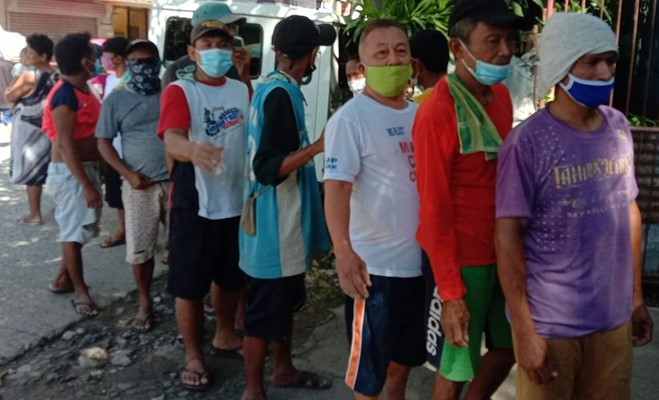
x=370, y=145
x=218, y=115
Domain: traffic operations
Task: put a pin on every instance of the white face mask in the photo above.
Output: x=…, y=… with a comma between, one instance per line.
x=357, y=86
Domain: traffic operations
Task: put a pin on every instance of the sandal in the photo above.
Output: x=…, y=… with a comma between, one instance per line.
x=28, y=221
x=113, y=241
x=142, y=324
x=88, y=309
x=307, y=380
x=200, y=377
x=55, y=290
x=235, y=353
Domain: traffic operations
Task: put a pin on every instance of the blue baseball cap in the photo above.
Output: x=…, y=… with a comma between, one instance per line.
x=216, y=11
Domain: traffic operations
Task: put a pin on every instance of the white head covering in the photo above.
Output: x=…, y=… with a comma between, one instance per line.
x=567, y=37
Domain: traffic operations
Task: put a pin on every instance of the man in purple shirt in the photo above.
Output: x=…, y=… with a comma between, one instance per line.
x=568, y=227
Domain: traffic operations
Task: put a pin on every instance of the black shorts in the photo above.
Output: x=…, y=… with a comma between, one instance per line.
x=202, y=251
x=113, y=188
x=270, y=304
x=388, y=326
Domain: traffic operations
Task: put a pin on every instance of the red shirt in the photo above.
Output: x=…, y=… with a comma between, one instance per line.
x=85, y=105
x=456, y=192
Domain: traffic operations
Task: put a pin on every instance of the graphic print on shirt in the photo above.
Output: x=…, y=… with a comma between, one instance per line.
x=583, y=175
x=219, y=120
x=407, y=149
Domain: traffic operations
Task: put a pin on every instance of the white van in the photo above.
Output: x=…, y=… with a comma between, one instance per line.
x=170, y=30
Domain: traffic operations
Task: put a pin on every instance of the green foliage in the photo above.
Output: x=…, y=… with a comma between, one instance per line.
x=414, y=15
x=637, y=120
x=592, y=7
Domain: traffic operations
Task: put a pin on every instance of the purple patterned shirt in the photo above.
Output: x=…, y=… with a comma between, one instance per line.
x=572, y=190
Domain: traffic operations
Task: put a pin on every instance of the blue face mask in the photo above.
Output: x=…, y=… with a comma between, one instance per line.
x=588, y=93
x=215, y=62
x=487, y=74
x=98, y=68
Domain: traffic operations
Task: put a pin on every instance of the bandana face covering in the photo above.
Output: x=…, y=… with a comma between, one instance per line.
x=144, y=76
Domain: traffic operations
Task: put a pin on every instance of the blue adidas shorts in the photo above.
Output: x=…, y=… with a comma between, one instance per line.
x=388, y=326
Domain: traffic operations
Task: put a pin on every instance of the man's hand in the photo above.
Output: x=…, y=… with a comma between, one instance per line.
x=455, y=322
x=353, y=276
x=92, y=197
x=139, y=181
x=532, y=358
x=642, y=326
x=319, y=145
x=206, y=156
x=241, y=60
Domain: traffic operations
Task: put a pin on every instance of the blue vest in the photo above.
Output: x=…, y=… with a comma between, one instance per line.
x=290, y=225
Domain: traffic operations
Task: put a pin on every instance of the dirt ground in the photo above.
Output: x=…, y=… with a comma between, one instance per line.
x=127, y=365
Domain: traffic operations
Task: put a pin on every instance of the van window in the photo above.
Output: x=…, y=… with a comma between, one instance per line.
x=177, y=38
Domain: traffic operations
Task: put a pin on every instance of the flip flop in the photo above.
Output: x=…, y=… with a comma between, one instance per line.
x=54, y=290
x=228, y=353
x=200, y=375
x=307, y=380
x=93, y=307
x=112, y=242
x=142, y=325
x=26, y=220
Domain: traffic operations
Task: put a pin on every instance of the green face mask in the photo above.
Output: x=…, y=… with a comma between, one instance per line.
x=389, y=80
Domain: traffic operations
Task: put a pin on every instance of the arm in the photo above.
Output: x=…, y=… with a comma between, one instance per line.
x=242, y=60
x=642, y=325
x=64, y=120
x=351, y=269
x=203, y=155
x=173, y=129
x=279, y=154
x=435, y=148
x=511, y=266
x=20, y=87
x=109, y=154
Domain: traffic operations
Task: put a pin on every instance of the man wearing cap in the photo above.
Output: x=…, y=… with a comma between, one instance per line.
x=568, y=226
x=203, y=121
x=133, y=111
x=372, y=213
x=457, y=134
x=289, y=224
x=430, y=60
x=213, y=10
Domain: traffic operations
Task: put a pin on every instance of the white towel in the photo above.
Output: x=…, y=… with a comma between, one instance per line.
x=565, y=39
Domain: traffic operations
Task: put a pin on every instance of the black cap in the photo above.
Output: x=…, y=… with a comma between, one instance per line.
x=142, y=44
x=297, y=35
x=210, y=25
x=494, y=12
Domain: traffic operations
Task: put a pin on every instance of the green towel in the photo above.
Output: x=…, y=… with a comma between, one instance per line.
x=475, y=128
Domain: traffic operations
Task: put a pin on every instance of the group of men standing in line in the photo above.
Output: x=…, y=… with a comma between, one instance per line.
x=540, y=220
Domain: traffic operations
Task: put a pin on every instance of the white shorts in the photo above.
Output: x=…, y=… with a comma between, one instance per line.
x=77, y=222
x=145, y=209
